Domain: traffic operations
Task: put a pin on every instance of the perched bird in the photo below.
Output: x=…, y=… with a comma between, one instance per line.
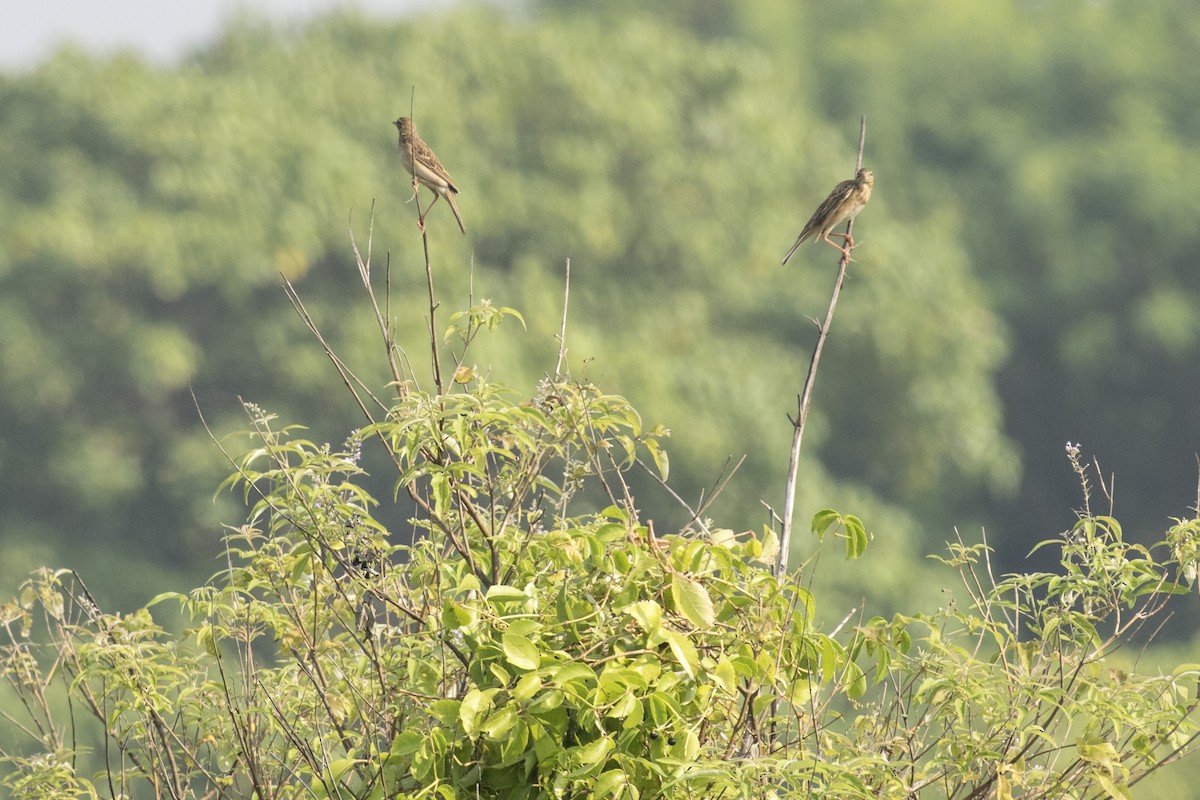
x=423, y=165
x=843, y=203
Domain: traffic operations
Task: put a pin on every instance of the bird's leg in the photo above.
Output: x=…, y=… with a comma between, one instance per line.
x=427, y=209
x=845, y=248
x=420, y=216
x=416, y=187
x=849, y=240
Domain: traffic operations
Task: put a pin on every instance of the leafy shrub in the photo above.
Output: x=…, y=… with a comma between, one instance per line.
x=529, y=635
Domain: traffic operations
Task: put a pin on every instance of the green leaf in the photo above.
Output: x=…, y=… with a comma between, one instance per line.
x=661, y=460
x=664, y=708
x=856, y=537
x=546, y=702
x=647, y=613
x=474, y=707
x=439, y=483
x=725, y=676
x=512, y=312
x=684, y=650
x=770, y=547
x=455, y=615
x=528, y=686
x=520, y=652
x=831, y=659
x=158, y=598
x=1098, y=752
x=852, y=527
x=823, y=520
x=339, y=767
x=206, y=640
x=635, y=716
x=499, y=723
x=593, y=753
x=406, y=743
x=1188, y=669
x=623, y=706
x=500, y=593
x=1117, y=791
x=514, y=745
x=446, y=711
x=855, y=680
x=573, y=671
x=692, y=600
x=609, y=784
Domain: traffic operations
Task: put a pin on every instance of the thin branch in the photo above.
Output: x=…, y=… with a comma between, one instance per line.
x=348, y=377
x=382, y=318
x=433, y=304
x=705, y=501
x=562, y=331
x=1196, y=508
x=805, y=399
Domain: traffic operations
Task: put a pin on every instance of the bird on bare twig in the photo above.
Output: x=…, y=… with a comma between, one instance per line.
x=844, y=202
x=425, y=168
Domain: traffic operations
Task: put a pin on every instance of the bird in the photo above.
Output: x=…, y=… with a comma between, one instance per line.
x=424, y=166
x=844, y=202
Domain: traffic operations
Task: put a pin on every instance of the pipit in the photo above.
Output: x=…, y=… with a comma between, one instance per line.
x=424, y=166
x=843, y=203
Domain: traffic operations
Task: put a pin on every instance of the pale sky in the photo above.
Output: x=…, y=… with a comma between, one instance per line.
x=162, y=30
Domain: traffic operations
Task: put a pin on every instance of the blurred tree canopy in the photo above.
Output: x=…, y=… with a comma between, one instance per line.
x=1028, y=273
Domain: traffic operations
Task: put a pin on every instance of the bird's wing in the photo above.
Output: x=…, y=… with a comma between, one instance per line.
x=428, y=161
x=826, y=213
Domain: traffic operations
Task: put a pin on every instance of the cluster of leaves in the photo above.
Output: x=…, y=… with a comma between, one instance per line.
x=508, y=645
x=511, y=648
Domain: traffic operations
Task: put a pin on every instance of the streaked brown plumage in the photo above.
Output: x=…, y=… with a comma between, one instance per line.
x=843, y=203
x=423, y=165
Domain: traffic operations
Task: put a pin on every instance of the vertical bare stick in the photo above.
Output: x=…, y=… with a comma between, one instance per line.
x=562, y=331
x=804, y=400
x=433, y=339
x=382, y=318
x=433, y=304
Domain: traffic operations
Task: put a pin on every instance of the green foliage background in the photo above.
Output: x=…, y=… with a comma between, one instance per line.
x=1028, y=273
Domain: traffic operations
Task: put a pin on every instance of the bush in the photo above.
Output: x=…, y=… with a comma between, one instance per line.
x=530, y=635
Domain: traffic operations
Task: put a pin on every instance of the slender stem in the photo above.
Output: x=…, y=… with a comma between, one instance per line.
x=382, y=317
x=416, y=184
x=804, y=400
x=562, y=332
x=433, y=339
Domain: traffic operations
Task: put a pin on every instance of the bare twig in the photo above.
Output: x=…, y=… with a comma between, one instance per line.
x=433, y=304
x=382, y=318
x=348, y=377
x=433, y=338
x=697, y=513
x=1196, y=508
x=562, y=331
x=804, y=400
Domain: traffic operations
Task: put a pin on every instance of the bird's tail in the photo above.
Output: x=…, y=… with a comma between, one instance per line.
x=457, y=215
x=795, y=247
